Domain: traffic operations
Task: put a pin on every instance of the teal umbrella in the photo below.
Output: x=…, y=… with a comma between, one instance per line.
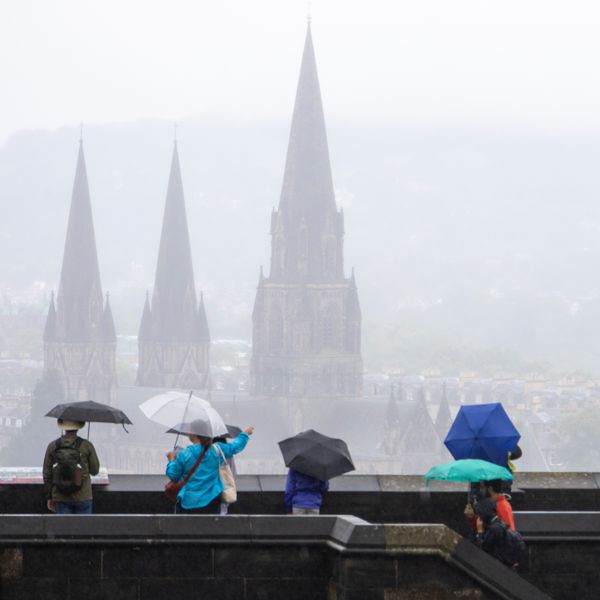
x=469, y=469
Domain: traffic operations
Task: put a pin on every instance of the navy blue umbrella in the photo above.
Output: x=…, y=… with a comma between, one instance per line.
x=482, y=431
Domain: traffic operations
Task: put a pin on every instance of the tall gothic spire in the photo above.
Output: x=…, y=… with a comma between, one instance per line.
x=79, y=300
x=174, y=298
x=176, y=315
x=307, y=229
x=307, y=184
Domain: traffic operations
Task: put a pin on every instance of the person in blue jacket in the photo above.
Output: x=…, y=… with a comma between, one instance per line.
x=202, y=493
x=303, y=494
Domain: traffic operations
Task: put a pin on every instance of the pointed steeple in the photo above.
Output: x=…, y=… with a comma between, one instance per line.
x=443, y=421
x=50, y=328
x=108, y=324
x=307, y=183
x=258, y=310
x=307, y=229
x=353, y=304
x=145, y=331
x=203, y=332
x=79, y=299
x=174, y=304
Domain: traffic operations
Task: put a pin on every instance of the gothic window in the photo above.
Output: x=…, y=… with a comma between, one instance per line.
x=275, y=330
x=331, y=327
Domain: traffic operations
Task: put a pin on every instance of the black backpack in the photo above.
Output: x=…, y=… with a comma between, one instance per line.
x=67, y=472
x=514, y=550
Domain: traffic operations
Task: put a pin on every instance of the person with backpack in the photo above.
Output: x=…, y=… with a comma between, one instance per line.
x=68, y=465
x=496, y=538
x=493, y=489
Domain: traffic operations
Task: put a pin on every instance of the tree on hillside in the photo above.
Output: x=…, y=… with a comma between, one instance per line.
x=27, y=447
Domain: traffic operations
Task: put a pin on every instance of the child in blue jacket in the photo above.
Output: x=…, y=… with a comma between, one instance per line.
x=303, y=494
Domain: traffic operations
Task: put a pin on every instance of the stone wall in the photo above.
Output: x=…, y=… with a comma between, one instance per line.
x=129, y=557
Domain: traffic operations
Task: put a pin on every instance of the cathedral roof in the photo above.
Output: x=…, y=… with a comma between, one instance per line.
x=79, y=306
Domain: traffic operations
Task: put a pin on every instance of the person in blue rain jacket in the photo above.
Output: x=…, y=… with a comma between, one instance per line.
x=303, y=494
x=202, y=493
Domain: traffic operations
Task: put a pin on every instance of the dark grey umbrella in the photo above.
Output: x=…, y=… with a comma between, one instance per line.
x=89, y=411
x=196, y=427
x=233, y=431
x=316, y=455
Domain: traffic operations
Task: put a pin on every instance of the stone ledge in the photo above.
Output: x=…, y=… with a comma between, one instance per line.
x=347, y=537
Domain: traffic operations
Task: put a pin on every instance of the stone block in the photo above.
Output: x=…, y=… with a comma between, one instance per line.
x=205, y=526
x=165, y=560
x=22, y=527
x=11, y=563
x=101, y=589
x=355, y=484
x=192, y=589
x=367, y=572
x=268, y=561
x=62, y=561
x=288, y=589
x=292, y=527
x=36, y=588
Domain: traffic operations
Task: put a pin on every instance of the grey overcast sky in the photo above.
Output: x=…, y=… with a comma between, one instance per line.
x=476, y=63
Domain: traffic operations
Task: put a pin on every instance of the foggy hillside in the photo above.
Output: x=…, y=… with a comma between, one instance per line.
x=471, y=248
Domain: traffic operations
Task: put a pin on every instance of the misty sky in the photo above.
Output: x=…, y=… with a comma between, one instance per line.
x=519, y=63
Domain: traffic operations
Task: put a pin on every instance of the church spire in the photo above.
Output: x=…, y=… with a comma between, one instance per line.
x=79, y=299
x=307, y=184
x=50, y=328
x=174, y=304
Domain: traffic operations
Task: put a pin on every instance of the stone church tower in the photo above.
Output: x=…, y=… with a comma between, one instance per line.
x=173, y=339
x=307, y=319
x=79, y=337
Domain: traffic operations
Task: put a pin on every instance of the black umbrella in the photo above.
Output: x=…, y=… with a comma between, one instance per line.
x=233, y=431
x=89, y=411
x=316, y=455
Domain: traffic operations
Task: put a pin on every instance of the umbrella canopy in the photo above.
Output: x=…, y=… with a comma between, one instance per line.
x=482, y=431
x=470, y=469
x=316, y=455
x=92, y=412
x=178, y=410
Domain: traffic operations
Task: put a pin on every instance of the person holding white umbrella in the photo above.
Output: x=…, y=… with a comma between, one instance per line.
x=201, y=494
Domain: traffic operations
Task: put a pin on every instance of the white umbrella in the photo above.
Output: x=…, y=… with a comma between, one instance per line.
x=172, y=409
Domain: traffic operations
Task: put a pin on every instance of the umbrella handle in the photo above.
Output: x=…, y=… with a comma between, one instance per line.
x=89, y=430
x=123, y=426
x=184, y=416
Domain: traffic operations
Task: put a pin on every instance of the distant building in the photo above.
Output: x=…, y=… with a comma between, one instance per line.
x=79, y=337
x=173, y=340
x=307, y=318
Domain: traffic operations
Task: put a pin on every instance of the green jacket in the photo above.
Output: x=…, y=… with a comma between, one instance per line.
x=89, y=463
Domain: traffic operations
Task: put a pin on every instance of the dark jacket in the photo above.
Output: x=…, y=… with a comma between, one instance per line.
x=303, y=491
x=89, y=463
x=492, y=539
